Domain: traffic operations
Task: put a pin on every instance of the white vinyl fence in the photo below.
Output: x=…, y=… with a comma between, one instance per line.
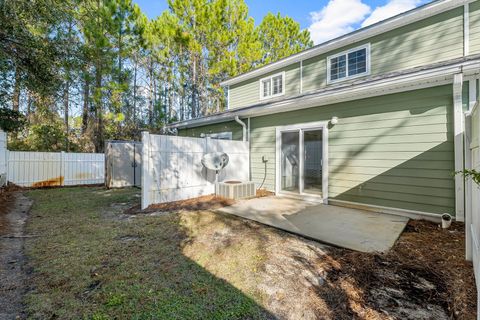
x=172, y=168
x=472, y=222
x=43, y=169
x=124, y=164
x=3, y=158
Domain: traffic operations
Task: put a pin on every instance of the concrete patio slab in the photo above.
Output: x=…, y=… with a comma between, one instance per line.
x=344, y=227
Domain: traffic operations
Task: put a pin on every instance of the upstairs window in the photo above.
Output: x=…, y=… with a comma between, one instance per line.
x=272, y=86
x=349, y=64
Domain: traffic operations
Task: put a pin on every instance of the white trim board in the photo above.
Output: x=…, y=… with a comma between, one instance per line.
x=458, y=133
x=420, y=13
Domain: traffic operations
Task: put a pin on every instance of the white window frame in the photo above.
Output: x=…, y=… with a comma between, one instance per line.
x=301, y=128
x=347, y=77
x=271, y=83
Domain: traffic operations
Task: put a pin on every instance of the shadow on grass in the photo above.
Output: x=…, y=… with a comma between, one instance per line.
x=88, y=265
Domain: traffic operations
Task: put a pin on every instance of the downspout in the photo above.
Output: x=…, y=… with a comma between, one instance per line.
x=244, y=136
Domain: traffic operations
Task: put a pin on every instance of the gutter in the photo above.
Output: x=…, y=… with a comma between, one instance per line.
x=244, y=133
x=399, y=82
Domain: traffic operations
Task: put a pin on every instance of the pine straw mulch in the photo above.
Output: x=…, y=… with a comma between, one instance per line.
x=208, y=202
x=426, y=268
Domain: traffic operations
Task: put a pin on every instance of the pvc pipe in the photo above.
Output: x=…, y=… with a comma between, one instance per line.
x=446, y=220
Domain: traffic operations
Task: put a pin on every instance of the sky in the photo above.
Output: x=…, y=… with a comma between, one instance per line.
x=325, y=19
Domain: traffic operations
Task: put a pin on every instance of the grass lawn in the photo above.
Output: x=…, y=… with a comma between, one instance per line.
x=89, y=262
x=93, y=259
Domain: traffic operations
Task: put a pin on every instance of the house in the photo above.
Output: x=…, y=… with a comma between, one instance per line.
x=373, y=119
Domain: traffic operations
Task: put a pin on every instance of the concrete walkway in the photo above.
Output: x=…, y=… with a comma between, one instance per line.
x=344, y=227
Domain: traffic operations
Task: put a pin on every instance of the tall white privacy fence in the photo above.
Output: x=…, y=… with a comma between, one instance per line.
x=43, y=169
x=472, y=223
x=172, y=168
x=3, y=158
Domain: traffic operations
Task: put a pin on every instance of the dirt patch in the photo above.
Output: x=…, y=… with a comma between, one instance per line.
x=7, y=202
x=14, y=208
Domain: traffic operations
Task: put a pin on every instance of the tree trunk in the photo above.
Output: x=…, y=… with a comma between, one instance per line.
x=86, y=94
x=182, y=102
x=29, y=103
x=194, y=88
x=98, y=142
x=135, y=94
x=98, y=139
x=171, y=91
x=16, y=90
x=66, y=107
x=150, y=103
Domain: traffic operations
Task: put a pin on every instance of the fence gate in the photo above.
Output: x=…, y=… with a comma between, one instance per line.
x=123, y=164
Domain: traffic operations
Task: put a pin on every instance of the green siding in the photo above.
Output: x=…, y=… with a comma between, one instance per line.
x=428, y=41
x=394, y=150
x=314, y=73
x=475, y=27
x=435, y=39
x=465, y=96
x=248, y=93
x=232, y=126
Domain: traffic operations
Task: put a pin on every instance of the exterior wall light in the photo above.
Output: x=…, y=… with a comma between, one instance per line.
x=334, y=120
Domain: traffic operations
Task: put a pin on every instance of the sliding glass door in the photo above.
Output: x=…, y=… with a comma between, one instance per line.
x=290, y=161
x=301, y=152
x=312, y=155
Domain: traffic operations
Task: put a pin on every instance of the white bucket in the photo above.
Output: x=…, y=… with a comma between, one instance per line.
x=446, y=220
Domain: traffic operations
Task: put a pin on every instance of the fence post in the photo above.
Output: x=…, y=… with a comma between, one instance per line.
x=62, y=168
x=7, y=161
x=146, y=179
x=468, y=188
